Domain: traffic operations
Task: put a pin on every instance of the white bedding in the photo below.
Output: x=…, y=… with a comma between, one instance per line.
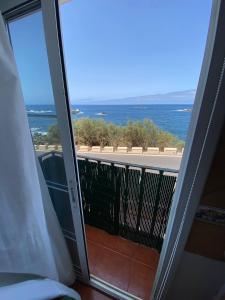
x=36, y=289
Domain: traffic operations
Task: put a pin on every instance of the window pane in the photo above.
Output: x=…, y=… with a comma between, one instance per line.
x=27, y=37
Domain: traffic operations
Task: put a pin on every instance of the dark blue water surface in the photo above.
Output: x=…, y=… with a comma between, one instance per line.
x=172, y=118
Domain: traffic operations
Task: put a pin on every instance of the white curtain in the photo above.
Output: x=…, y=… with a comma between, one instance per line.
x=30, y=237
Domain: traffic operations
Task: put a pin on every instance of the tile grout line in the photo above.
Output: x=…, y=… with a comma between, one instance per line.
x=122, y=254
x=131, y=261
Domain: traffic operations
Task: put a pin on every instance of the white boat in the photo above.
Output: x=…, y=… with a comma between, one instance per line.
x=75, y=111
x=101, y=114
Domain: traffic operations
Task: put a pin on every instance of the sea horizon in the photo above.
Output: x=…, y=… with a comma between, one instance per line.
x=173, y=118
x=180, y=104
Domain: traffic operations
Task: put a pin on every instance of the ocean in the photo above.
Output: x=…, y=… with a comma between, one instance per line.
x=172, y=118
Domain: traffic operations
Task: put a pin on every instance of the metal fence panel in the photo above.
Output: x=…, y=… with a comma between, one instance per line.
x=125, y=200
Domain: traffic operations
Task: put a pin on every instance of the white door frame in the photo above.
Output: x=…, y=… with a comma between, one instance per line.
x=51, y=24
x=204, y=132
x=59, y=84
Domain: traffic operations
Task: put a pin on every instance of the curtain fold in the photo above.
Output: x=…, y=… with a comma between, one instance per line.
x=58, y=245
x=30, y=237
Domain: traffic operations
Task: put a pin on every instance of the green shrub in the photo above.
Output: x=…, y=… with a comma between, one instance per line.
x=53, y=135
x=140, y=134
x=92, y=132
x=39, y=139
x=147, y=134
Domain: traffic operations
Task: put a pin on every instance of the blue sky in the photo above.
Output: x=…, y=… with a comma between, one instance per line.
x=118, y=49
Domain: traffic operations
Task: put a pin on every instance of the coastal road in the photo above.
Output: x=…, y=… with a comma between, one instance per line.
x=170, y=162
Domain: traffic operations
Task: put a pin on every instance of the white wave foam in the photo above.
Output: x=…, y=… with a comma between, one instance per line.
x=38, y=111
x=35, y=129
x=183, y=110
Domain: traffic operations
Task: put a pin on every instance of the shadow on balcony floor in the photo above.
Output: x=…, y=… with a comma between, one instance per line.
x=122, y=263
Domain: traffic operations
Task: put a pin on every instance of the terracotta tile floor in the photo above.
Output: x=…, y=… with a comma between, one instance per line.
x=125, y=264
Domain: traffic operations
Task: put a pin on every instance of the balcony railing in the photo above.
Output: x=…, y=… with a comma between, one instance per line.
x=132, y=201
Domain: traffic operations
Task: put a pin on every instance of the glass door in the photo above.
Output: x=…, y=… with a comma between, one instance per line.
x=131, y=114
x=36, y=44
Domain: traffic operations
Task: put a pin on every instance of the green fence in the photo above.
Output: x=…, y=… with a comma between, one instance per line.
x=132, y=201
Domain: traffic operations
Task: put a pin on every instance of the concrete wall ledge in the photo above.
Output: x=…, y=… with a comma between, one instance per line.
x=170, y=151
x=51, y=147
x=84, y=148
x=112, y=149
x=137, y=150
x=42, y=147
x=97, y=149
x=108, y=149
x=152, y=150
x=122, y=149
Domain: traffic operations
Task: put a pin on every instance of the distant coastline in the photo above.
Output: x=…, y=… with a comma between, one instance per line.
x=183, y=97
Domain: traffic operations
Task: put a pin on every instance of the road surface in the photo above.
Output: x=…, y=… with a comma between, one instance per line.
x=170, y=162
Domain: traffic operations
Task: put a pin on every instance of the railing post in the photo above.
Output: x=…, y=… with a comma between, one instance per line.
x=126, y=196
x=87, y=190
x=164, y=215
x=141, y=196
x=116, y=187
x=98, y=168
x=156, y=204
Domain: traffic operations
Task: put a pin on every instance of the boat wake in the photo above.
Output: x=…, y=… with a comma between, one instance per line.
x=101, y=114
x=184, y=110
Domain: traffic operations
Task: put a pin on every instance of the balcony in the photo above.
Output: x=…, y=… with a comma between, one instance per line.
x=126, y=209
x=122, y=263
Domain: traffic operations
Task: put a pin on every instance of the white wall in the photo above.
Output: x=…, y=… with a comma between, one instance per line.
x=197, y=278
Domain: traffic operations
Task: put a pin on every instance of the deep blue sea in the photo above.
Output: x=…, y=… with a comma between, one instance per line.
x=172, y=118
